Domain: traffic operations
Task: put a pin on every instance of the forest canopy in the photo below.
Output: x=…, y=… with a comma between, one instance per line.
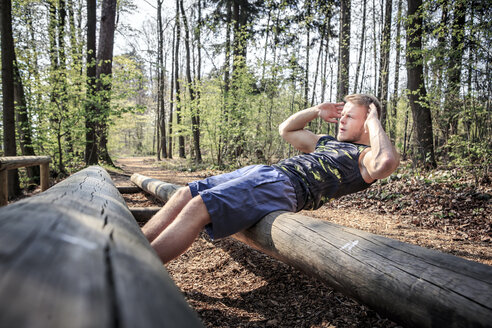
x=210, y=80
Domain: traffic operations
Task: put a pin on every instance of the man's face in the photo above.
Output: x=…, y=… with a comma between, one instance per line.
x=351, y=124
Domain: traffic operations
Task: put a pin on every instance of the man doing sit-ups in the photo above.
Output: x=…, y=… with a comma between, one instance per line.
x=328, y=168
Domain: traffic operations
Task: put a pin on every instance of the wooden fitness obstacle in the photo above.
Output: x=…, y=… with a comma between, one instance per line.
x=15, y=162
x=412, y=285
x=73, y=256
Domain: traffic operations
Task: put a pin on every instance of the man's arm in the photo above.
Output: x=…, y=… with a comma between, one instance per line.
x=382, y=159
x=292, y=129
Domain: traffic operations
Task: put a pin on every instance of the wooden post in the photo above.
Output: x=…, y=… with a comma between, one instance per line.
x=45, y=176
x=73, y=256
x=4, y=188
x=415, y=286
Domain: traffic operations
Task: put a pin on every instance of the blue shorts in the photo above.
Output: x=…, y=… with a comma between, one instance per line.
x=239, y=199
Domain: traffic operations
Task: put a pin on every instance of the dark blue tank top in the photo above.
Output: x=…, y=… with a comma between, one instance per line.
x=331, y=171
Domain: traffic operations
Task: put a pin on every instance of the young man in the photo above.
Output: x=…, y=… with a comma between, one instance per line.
x=329, y=168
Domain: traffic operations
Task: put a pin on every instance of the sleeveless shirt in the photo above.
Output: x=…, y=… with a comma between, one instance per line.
x=331, y=171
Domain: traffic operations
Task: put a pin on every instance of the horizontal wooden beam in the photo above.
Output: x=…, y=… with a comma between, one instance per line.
x=73, y=256
x=128, y=189
x=142, y=214
x=412, y=285
x=15, y=162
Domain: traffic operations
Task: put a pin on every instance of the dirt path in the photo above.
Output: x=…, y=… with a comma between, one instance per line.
x=231, y=285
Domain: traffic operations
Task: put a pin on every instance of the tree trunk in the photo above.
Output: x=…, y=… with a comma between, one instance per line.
x=8, y=57
x=237, y=116
x=361, y=48
x=57, y=78
x=91, y=144
x=325, y=61
x=161, y=111
x=221, y=149
x=104, y=72
x=176, y=82
x=452, y=103
x=394, y=113
x=307, y=21
x=67, y=132
x=416, y=87
x=384, y=63
x=318, y=60
x=23, y=124
x=171, y=99
x=194, y=110
x=156, y=138
x=344, y=50
x=374, y=48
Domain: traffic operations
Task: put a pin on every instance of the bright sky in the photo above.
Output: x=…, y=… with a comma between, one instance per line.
x=146, y=10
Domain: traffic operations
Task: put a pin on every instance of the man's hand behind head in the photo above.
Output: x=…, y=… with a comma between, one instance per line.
x=329, y=112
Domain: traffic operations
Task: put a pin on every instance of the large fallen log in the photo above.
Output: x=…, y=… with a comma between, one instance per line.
x=412, y=285
x=73, y=256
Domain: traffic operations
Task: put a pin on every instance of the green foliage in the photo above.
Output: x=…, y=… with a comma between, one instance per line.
x=475, y=157
x=239, y=127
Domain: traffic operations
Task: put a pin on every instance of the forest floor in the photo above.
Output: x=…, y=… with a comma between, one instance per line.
x=231, y=285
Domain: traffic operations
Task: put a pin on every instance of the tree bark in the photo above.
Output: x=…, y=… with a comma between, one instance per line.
x=416, y=87
x=161, y=142
x=57, y=77
x=91, y=145
x=344, y=50
x=384, y=62
x=194, y=110
x=374, y=48
x=361, y=47
x=103, y=74
x=452, y=103
x=393, y=120
x=176, y=82
x=221, y=149
x=8, y=57
x=307, y=21
x=23, y=124
x=171, y=99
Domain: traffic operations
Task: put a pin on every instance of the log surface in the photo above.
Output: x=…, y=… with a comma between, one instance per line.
x=73, y=256
x=414, y=286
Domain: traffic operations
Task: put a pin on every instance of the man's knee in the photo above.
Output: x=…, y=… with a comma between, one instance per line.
x=183, y=193
x=197, y=210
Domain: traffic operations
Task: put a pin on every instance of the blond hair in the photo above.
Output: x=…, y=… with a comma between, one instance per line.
x=364, y=100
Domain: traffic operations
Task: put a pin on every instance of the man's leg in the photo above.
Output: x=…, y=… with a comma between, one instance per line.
x=167, y=214
x=182, y=232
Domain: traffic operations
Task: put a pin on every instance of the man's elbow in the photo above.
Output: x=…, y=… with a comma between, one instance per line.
x=282, y=130
x=385, y=166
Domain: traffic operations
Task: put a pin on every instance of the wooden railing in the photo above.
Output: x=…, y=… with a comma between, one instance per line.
x=73, y=256
x=15, y=162
x=412, y=285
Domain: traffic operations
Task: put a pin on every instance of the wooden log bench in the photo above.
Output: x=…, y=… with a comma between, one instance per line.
x=412, y=285
x=15, y=162
x=73, y=256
